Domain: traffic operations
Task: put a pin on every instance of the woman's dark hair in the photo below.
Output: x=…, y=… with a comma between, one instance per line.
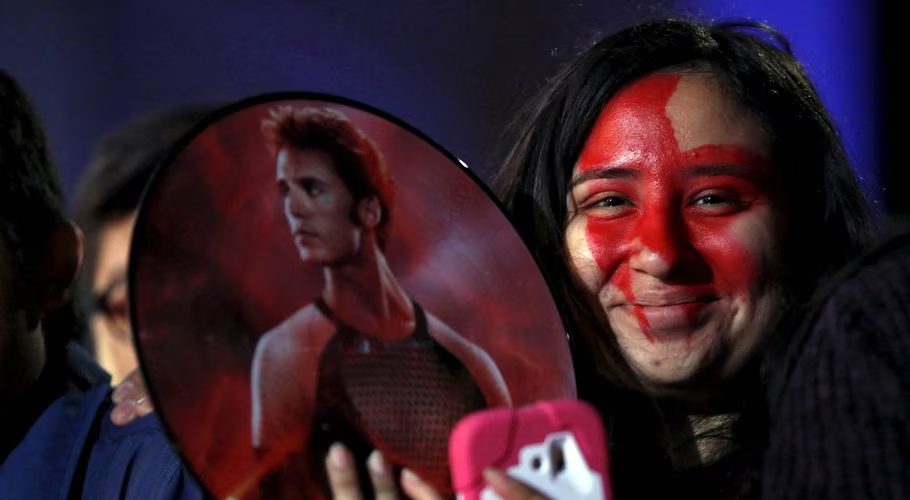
x=829, y=218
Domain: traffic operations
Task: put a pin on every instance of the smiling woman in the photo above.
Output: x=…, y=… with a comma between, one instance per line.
x=673, y=227
x=686, y=192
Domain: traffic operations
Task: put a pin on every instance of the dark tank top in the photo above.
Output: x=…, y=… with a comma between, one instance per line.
x=401, y=397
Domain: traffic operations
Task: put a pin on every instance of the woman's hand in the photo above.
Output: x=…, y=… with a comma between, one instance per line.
x=131, y=399
x=342, y=475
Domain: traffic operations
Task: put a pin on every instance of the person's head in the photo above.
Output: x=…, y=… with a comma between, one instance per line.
x=40, y=250
x=105, y=207
x=683, y=184
x=335, y=186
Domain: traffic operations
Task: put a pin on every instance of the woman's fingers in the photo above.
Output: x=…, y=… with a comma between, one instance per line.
x=124, y=391
x=417, y=488
x=342, y=474
x=382, y=477
x=131, y=399
x=124, y=412
x=508, y=488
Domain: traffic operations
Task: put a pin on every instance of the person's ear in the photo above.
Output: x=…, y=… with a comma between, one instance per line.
x=369, y=211
x=59, y=266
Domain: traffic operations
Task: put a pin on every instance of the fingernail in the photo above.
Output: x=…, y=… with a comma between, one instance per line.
x=118, y=394
x=376, y=463
x=144, y=409
x=492, y=476
x=119, y=415
x=338, y=456
x=408, y=476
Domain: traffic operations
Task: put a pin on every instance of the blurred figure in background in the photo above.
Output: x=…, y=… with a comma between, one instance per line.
x=105, y=207
x=55, y=437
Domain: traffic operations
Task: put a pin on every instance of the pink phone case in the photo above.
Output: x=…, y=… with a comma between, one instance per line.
x=557, y=447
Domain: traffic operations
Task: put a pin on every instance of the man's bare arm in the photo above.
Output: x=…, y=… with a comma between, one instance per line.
x=479, y=364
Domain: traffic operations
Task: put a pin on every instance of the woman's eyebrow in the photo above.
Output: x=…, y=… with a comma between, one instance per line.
x=744, y=171
x=604, y=172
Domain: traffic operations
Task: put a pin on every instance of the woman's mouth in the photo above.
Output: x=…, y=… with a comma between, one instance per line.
x=669, y=313
x=671, y=318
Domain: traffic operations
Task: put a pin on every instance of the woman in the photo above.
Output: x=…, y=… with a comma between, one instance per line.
x=685, y=191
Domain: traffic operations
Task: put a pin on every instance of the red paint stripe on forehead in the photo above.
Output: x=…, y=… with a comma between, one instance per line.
x=639, y=111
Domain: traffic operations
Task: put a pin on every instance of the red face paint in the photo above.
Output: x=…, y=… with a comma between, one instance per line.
x=661, y=223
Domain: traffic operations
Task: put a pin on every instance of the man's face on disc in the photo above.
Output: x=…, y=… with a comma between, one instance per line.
x=318, y=206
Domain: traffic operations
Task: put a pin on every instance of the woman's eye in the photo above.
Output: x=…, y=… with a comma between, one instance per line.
x=712, y=199
x=610, y=201
x=718, y=203
x=606, y=205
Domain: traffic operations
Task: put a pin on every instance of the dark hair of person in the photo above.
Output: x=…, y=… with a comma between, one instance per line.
x=121, y=166
x=30, y=197
x=30, y=201
x=356, y=158
x=828, y=216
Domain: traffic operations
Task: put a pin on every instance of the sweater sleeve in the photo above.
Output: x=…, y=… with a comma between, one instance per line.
x=840, y=426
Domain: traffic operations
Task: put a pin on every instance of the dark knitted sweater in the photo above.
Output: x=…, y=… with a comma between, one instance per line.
x=840, y=410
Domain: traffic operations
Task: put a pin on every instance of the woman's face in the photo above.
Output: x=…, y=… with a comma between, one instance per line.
x=674, y=228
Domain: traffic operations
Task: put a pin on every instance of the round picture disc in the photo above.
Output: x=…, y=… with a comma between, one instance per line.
x=306, y=270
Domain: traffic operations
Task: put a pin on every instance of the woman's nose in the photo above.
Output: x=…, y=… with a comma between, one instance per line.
x=664, y=245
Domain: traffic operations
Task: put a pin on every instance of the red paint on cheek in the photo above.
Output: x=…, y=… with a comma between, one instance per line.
x=623, y=281
x=608, y=258
x=734, y=267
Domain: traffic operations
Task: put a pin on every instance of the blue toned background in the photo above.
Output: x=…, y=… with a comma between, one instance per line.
x=456, y=71
x=838, y=42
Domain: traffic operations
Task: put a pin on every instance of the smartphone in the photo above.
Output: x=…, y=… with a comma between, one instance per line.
x=557, y=447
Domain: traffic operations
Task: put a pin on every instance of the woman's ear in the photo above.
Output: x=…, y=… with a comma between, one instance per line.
x=57, y=269
x=369, y=211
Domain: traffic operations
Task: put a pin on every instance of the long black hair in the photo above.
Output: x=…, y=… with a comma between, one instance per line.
x=829, y=218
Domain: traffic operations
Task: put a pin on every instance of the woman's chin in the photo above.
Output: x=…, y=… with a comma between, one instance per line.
x=677, y=366
x=667, y=374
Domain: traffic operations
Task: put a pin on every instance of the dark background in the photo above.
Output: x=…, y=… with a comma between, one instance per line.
x=456, y=70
